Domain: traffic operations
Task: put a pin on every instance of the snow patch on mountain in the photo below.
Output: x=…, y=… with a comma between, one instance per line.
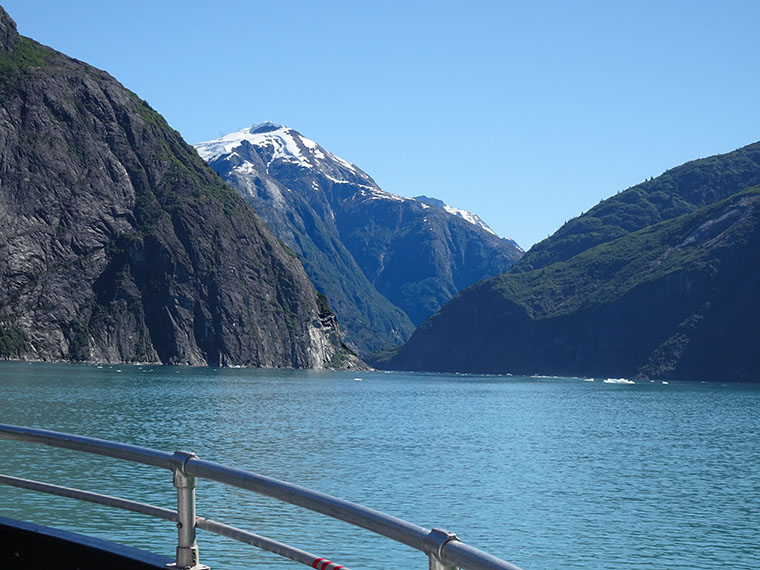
x=378, y=194
x=464, y=214
x=470, y=217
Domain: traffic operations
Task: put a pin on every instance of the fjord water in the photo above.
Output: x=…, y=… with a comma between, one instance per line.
x=546, y=473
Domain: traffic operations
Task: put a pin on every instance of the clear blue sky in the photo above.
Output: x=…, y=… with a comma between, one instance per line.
x=527, y=113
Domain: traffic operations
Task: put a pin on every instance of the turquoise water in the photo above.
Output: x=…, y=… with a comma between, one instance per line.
x=545, y=473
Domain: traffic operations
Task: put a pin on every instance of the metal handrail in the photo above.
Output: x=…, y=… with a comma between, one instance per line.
x=444, y=549
x=262, y=542
x=125, y=451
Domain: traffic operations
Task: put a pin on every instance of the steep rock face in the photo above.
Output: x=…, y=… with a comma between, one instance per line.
x=8, y=33
x=676, y=192
x=118, y=243
x=675, y=300
x=371, y=252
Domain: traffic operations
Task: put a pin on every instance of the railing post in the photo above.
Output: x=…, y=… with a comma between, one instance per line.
x=437, y=539
x=187, y=548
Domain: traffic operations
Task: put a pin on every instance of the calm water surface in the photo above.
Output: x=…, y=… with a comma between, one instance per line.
x=545, y=473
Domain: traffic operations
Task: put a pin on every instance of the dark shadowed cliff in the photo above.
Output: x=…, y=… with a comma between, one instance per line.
x=676, y=299
x=118, y=243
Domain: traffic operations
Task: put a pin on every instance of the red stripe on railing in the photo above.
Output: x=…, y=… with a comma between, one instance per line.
x=323, y=564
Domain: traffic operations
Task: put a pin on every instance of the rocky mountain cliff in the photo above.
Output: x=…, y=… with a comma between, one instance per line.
x=383, y=261
x=673, y=300
x=118, y=243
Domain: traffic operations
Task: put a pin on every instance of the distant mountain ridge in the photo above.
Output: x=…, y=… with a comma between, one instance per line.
x=678, y=191
x=119, y=244
x=674, y=299
x=383, y=261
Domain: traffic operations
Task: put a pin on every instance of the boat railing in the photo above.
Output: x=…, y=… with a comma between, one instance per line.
x=444, y=550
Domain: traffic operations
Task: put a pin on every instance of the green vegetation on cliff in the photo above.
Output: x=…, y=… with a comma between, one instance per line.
x=678, y=191
x=676, y=299
x=12, y=340
x=657, y=281
x=26, y=53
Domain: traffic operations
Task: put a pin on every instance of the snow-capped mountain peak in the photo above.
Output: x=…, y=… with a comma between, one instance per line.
x=279, y=146
x=277, y=143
